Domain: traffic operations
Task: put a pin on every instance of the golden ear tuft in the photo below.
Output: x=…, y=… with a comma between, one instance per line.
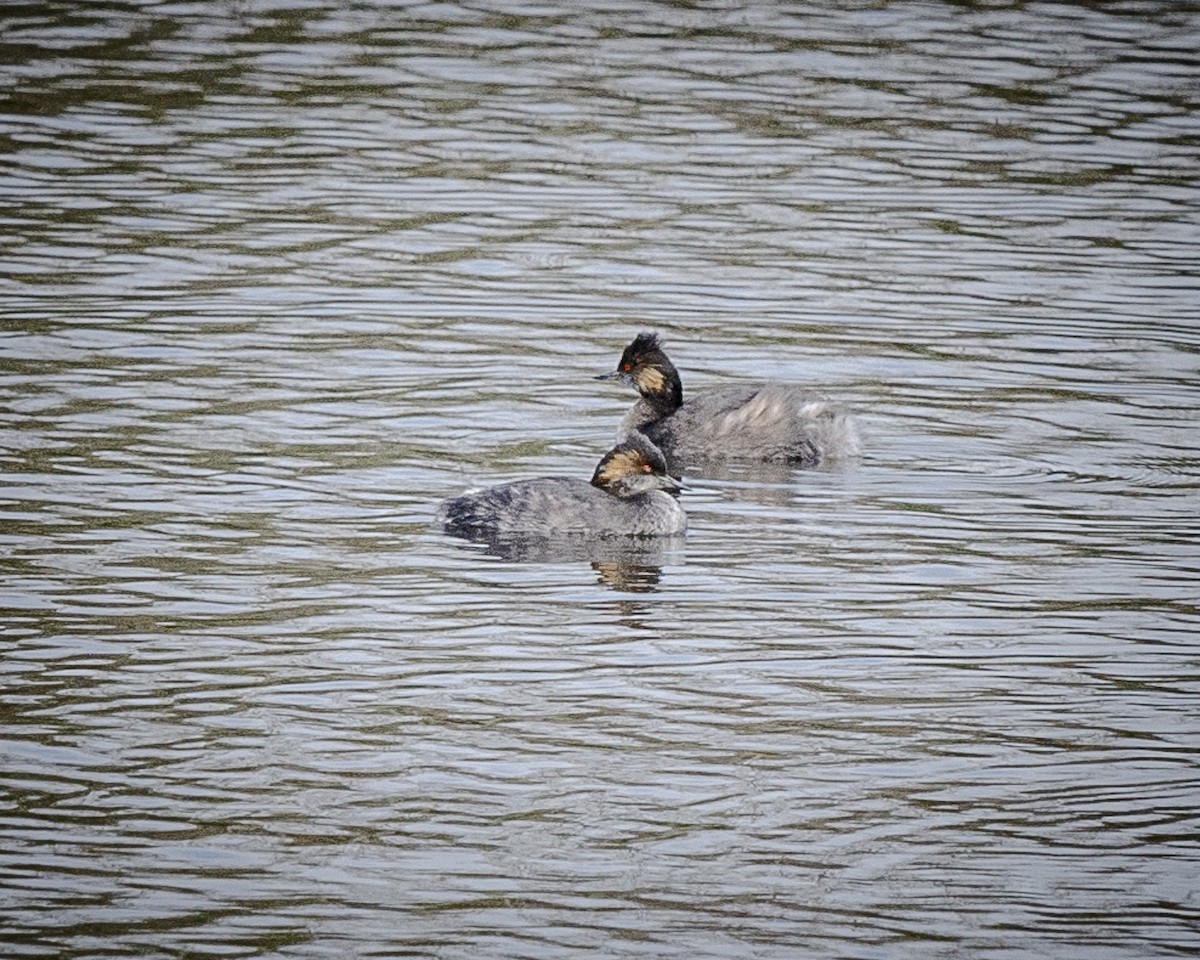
x=619, y=465
x=650, y=379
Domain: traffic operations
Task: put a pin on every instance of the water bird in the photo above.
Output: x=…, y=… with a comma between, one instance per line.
x=766, y=422
x=630, y=493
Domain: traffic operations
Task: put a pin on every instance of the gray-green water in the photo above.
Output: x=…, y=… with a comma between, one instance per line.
x=274, y=281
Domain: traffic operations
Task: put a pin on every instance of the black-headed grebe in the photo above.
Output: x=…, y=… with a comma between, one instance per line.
x=771, y=421
x=630, y=494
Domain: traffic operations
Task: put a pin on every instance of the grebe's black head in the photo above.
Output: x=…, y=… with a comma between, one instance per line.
x=635, y=465
x=645, y=367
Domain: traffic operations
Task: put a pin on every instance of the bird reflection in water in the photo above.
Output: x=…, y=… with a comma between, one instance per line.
x=631, y=564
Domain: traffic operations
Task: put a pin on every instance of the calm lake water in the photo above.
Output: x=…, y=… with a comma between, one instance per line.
x=278, y=278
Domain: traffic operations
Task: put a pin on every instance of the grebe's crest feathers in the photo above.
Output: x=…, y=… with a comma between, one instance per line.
x=644, y=342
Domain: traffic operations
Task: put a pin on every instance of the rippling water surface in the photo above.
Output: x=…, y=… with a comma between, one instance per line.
x=276, y=280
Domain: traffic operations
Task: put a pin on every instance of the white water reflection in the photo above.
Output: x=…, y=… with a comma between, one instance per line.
x=277, y=281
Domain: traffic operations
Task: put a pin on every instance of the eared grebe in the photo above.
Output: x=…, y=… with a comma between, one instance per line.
x=770, y=421
x=630, y=494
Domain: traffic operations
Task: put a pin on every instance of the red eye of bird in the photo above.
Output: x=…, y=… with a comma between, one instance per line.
x=627, y=367
x=646, y=468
